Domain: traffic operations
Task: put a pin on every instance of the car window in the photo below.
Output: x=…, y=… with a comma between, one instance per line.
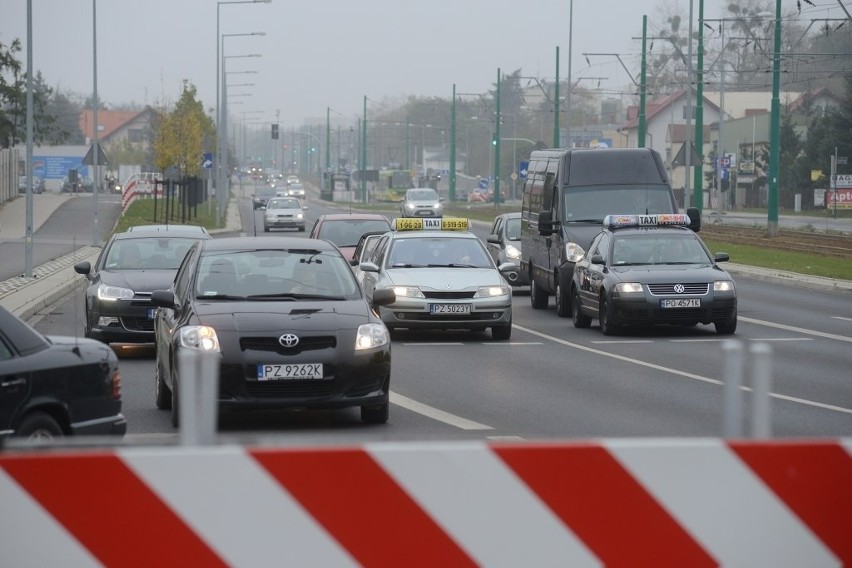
x=422, y=194
x=155, y=253
x=512, y=228
x=438, y=251
x=347, y=232
x=283, y=204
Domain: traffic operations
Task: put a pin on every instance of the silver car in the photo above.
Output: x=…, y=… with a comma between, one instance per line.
x=421, y=202
x=284, y=213
x=442, y=280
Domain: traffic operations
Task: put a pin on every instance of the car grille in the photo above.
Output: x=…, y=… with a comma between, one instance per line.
x=668, y=289
x=478, y=316
x=432, y=295
x=290, y=389
x=271, y=344
x=640, y=316
x=138, y=324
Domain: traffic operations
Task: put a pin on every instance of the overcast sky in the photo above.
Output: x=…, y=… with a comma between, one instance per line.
x=330, y=53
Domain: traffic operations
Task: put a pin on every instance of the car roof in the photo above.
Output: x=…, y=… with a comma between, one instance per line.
x=514, y=215
x=352, y=216
x=168, y=228
x=243, y=243
x=433, y=234
x=669, y=230
x=161, y=234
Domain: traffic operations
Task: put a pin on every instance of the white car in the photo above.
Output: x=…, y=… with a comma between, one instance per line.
x=284, y=213
x=296, y=190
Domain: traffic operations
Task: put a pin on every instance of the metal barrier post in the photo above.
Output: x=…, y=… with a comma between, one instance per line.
x=761, y=370
x=732, y=425
x=198, y=391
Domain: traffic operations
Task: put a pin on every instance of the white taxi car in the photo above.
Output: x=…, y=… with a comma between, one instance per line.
x=443, y=278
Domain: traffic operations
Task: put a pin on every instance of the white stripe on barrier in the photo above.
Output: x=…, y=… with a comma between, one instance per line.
x=246, y=521
x=31, y=536
x=477, y=499
x=738, y=520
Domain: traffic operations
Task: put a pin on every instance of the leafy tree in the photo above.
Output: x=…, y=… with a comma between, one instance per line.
x=182, y=134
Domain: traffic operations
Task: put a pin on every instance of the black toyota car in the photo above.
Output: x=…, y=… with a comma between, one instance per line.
x=289, y=323
x=53, y=386
x=131, y=266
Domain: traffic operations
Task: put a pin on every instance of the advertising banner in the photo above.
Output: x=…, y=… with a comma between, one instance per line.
x=840, y=198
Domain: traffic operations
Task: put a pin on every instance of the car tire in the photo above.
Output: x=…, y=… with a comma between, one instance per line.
x=563, y=300
x=501, y=332
x=39, y=426
x=605, y=318
x=580, y=319
x=728, y=327
x=538, y=297
x=161, y=391
x=375, y=414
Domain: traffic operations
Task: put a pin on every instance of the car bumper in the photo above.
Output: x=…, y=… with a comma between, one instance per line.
x=279, y=224
x=109, y=426
x=415, y=314
x=128, y=322
x=422, y=213
x=516, y=277
x=643, y=312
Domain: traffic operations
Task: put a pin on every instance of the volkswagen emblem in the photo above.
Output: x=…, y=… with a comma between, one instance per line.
x=678, y=288
x=288, y=340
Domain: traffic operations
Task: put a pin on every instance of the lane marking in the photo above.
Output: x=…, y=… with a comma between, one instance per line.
x=435, y=344
x=505, y=438
x=621, y=342
x=841, y=318
x=677, y=372
x=802, y=330
x=513, y=343
x=703, y=340
x=435, y=413
x=782, y=339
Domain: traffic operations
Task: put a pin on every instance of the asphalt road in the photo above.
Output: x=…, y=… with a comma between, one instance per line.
x=554, y=381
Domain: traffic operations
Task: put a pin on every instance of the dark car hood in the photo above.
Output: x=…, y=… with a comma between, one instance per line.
x=581, y=233
x=139, y=280
x=663, y=273
x=67, y=343
x=258, y=317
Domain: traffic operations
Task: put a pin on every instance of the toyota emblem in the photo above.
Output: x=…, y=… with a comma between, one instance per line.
x=288, y=340
x=678, y=288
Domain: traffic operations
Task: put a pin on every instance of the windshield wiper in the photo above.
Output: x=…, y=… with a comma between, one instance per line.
x=598, y=221
x=292, y=297
x=407, y=265
x=219, y=297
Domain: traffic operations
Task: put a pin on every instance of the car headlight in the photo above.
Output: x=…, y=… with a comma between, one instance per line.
x=573, y=252
x=628, y=288
x=723, y=286
x=370, y=335
x=492, y=291
x=409, y=206
x=201, y=337
x=408, y=292
x=512, y=252
x=300, y=215
x=112, y=293
x=437, y=207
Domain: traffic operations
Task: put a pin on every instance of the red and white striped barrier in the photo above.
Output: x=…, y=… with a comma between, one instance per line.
x=614, y=503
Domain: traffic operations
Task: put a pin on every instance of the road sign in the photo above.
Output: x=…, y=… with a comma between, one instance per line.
x=842, y=160
x=514, y=176
x=207, y=160
x=89, y=158
x=483, y=183
x=523, y=167
x=680, y=157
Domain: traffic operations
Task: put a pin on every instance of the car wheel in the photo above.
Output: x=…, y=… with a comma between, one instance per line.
x=375, y=414
x=538, y=297
x=39, y=427
x=265, y=229
x=727, y=327
x=164, y=395
x=605, y=318
x=580, y=319
x=563, y=301
x=501, y=332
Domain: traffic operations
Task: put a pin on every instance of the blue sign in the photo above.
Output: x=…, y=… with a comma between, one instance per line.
x=483, y=183
x=56, y=167
x=207, y=160
x=523, y=167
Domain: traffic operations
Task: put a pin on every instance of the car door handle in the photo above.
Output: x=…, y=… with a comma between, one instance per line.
x=13, y=383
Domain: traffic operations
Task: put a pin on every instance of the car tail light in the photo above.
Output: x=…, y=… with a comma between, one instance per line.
x=116, y=384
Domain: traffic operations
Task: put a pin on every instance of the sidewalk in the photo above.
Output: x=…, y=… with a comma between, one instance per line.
x=53, y=280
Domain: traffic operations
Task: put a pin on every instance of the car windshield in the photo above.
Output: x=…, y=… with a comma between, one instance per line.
x=649, y=249
x=153, y=253
x=347, y=232
x=422, y=195
x=283, y=204
x=438, y=252
x=513, y=229
x=275, y=274
x=596, y=202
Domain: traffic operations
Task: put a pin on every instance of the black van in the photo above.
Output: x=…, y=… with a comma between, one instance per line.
x=567, y=194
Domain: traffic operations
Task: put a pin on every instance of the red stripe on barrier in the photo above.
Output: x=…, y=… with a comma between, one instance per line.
x=362, y=507
x=113, y=514
x=604, y=505
x=815, y=481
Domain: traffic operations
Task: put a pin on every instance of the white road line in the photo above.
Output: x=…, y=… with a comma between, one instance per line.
x=621, y=342
x=711, y=340
x=505, y=438
x=677, y=372
x=841, y=318
x=845, y=338
x=753, y=339
x=435, y=413
x=512, y=343
x=435, y=344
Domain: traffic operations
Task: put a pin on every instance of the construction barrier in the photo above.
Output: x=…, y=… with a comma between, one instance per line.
x=661, y=502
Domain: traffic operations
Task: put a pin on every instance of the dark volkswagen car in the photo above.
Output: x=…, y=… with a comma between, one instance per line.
x=644, y=270
x=53, y=386
x=289, y=321
x=131, y=266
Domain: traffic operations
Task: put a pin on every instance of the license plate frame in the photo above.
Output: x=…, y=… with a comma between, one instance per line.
x=289, y=371
x=679, y=303
x=152, y=312
x=449, y=309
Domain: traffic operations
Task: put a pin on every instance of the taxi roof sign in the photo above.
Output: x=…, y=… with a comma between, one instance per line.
x=661, y=220
x=430, y=224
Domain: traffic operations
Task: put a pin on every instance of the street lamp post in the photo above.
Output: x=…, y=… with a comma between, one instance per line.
x=775, y=128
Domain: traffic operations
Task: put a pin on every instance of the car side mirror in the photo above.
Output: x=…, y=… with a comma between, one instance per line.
x=383, y=297
x=369, y=267
x=163, y=299
x=84, y=267
x=597, y=259
x=545, y=223
x=721, y=257
x=694, y=219
x=493, y=239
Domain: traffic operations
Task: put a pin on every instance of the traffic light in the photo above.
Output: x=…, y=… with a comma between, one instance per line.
x=275, y=132
x=493, y=138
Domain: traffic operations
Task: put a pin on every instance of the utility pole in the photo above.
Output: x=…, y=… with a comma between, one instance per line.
x=497, y=147
x=687, y=148
x=775, y=128
x=327, y=147
x=364, y=154
x=699, y=105
x=643, y=85
x=555, y=104
x=453, y=147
